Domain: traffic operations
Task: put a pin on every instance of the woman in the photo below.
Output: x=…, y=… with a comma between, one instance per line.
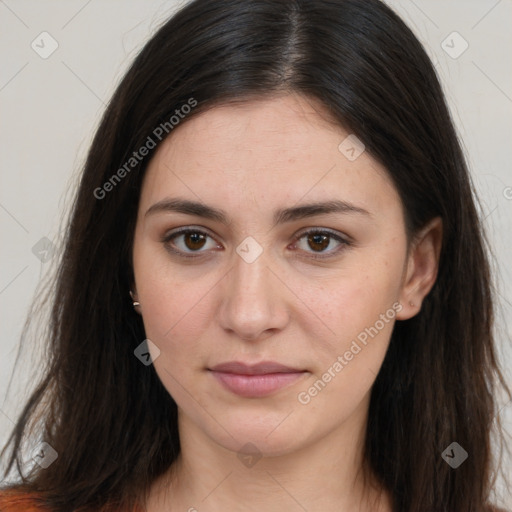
x=275, y=293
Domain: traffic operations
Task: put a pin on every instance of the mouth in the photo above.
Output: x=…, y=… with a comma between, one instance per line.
x=255, y=381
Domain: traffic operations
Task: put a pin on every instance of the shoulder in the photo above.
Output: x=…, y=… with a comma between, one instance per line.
x=19, y=501
x=15, y=500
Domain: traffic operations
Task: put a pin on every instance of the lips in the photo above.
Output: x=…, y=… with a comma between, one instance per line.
x=254, y=381
x=255, y=369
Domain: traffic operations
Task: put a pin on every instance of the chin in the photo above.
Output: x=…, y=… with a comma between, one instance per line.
x=266, y=433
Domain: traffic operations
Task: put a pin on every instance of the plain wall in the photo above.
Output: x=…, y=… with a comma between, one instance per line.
x=50, y=108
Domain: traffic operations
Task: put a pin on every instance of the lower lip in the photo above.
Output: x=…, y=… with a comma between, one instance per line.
x=254, y=386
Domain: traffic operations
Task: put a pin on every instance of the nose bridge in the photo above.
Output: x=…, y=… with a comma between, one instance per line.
x=249, y=273
x=251, y=301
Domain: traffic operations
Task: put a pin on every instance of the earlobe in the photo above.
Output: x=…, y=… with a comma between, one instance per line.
x=421, y=268
x=135, y=302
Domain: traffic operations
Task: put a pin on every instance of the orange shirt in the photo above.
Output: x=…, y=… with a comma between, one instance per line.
x=16, y=501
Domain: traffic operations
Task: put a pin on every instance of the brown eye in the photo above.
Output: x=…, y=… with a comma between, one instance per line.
x=318, y=242
x=188, y=243
x=321, y=243
x=194, y=240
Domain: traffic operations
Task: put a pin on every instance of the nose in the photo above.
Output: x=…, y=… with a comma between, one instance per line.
x=254, y=304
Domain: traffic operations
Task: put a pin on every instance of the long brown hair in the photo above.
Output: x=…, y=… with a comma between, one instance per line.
x=109, y=418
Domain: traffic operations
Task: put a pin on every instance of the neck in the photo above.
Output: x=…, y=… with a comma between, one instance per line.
x=327, y=474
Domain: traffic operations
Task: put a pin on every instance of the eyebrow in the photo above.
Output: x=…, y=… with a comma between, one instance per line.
x=281, y=216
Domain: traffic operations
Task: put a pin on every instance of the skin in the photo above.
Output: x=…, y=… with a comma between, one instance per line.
x=250, y=160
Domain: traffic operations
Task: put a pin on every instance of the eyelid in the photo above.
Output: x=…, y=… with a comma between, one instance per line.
x=318, y=229
x=186, y=229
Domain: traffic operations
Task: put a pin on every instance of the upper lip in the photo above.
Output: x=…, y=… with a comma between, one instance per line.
x=262, y=368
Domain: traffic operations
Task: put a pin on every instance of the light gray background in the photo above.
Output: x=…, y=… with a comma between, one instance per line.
x=50, y=108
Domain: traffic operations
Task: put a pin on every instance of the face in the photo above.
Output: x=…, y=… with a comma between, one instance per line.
x=234, y=267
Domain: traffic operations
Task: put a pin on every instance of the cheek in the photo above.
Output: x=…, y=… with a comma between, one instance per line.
x=348, y=361
x=174, y=301
x=361, y=329
x=356, y=297
x=359, y=307
x=176, y=316
x=175, y=312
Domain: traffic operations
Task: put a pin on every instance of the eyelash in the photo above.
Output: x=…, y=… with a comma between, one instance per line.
x=317, y=231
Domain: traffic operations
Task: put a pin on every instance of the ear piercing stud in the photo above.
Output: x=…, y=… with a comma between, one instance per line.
x=135, y=303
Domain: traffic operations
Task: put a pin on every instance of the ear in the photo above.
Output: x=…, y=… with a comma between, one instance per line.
x=421, y=267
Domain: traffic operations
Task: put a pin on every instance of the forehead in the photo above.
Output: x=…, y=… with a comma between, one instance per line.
x=273, y=149
x=282, y=126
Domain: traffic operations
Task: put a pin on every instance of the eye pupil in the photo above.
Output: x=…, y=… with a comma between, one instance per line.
x=197, y=240
x=318, y=239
